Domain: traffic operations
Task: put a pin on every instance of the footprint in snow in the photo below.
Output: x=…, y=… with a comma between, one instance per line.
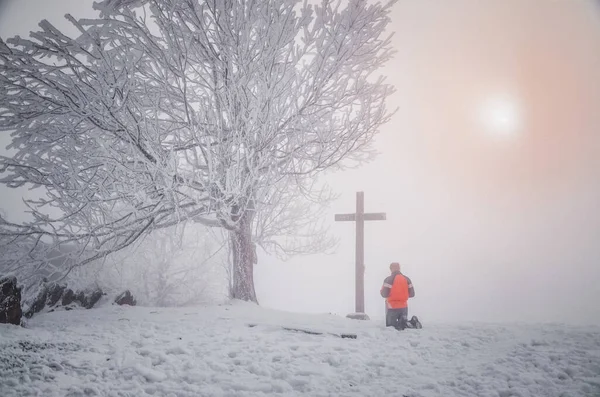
x=176, y=350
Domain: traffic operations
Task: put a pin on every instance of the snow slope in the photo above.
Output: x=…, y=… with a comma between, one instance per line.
x=211, y=351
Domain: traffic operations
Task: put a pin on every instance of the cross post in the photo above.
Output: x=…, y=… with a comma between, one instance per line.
x=359, y=217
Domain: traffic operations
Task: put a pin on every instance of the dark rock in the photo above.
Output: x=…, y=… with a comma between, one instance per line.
x=89, y=298
x=39, y=302
x=125, y=298
x=94, y=298
x=80, y=297
x=10, y=301
x=55, y=292
x=48, y=295
x=68, y=297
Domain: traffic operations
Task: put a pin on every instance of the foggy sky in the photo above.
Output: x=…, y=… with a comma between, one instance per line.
x=488, y=228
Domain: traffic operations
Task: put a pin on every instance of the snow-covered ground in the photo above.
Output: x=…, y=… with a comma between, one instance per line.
x=212, y=351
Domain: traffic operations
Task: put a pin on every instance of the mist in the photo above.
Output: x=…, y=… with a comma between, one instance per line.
x=489, y=227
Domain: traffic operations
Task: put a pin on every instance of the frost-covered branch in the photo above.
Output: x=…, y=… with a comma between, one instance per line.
x=217, y=112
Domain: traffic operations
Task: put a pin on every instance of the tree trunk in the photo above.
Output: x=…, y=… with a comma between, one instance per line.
x=243, y=257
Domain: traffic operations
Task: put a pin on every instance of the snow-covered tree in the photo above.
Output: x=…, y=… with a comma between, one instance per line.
x=217, y=111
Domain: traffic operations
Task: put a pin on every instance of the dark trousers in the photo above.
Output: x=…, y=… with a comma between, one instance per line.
x=396, y=318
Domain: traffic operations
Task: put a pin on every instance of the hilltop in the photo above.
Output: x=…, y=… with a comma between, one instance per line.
x=240, y=349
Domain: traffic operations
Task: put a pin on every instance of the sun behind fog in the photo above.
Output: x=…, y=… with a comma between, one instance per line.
x=500, y=116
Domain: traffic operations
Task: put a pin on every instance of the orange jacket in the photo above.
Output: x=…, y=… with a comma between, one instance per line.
x=397, y=288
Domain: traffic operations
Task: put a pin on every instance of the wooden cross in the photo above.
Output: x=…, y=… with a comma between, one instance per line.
x=360, y=217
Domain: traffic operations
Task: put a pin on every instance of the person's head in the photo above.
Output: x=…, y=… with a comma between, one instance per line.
x=394, y=267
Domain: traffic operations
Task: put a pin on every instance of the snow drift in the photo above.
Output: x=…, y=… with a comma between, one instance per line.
x=213, y=351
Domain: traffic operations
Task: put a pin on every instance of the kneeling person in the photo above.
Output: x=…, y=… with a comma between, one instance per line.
x=397, y=288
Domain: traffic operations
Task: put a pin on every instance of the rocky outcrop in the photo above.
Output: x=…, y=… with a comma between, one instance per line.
x=89, y=298
x=10, y=301
x=55, y=292
x=38, y=302
x=53, y=295
x=125, y=298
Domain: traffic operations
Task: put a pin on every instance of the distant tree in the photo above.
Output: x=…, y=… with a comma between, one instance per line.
x=218, y=111
x=174, y=266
